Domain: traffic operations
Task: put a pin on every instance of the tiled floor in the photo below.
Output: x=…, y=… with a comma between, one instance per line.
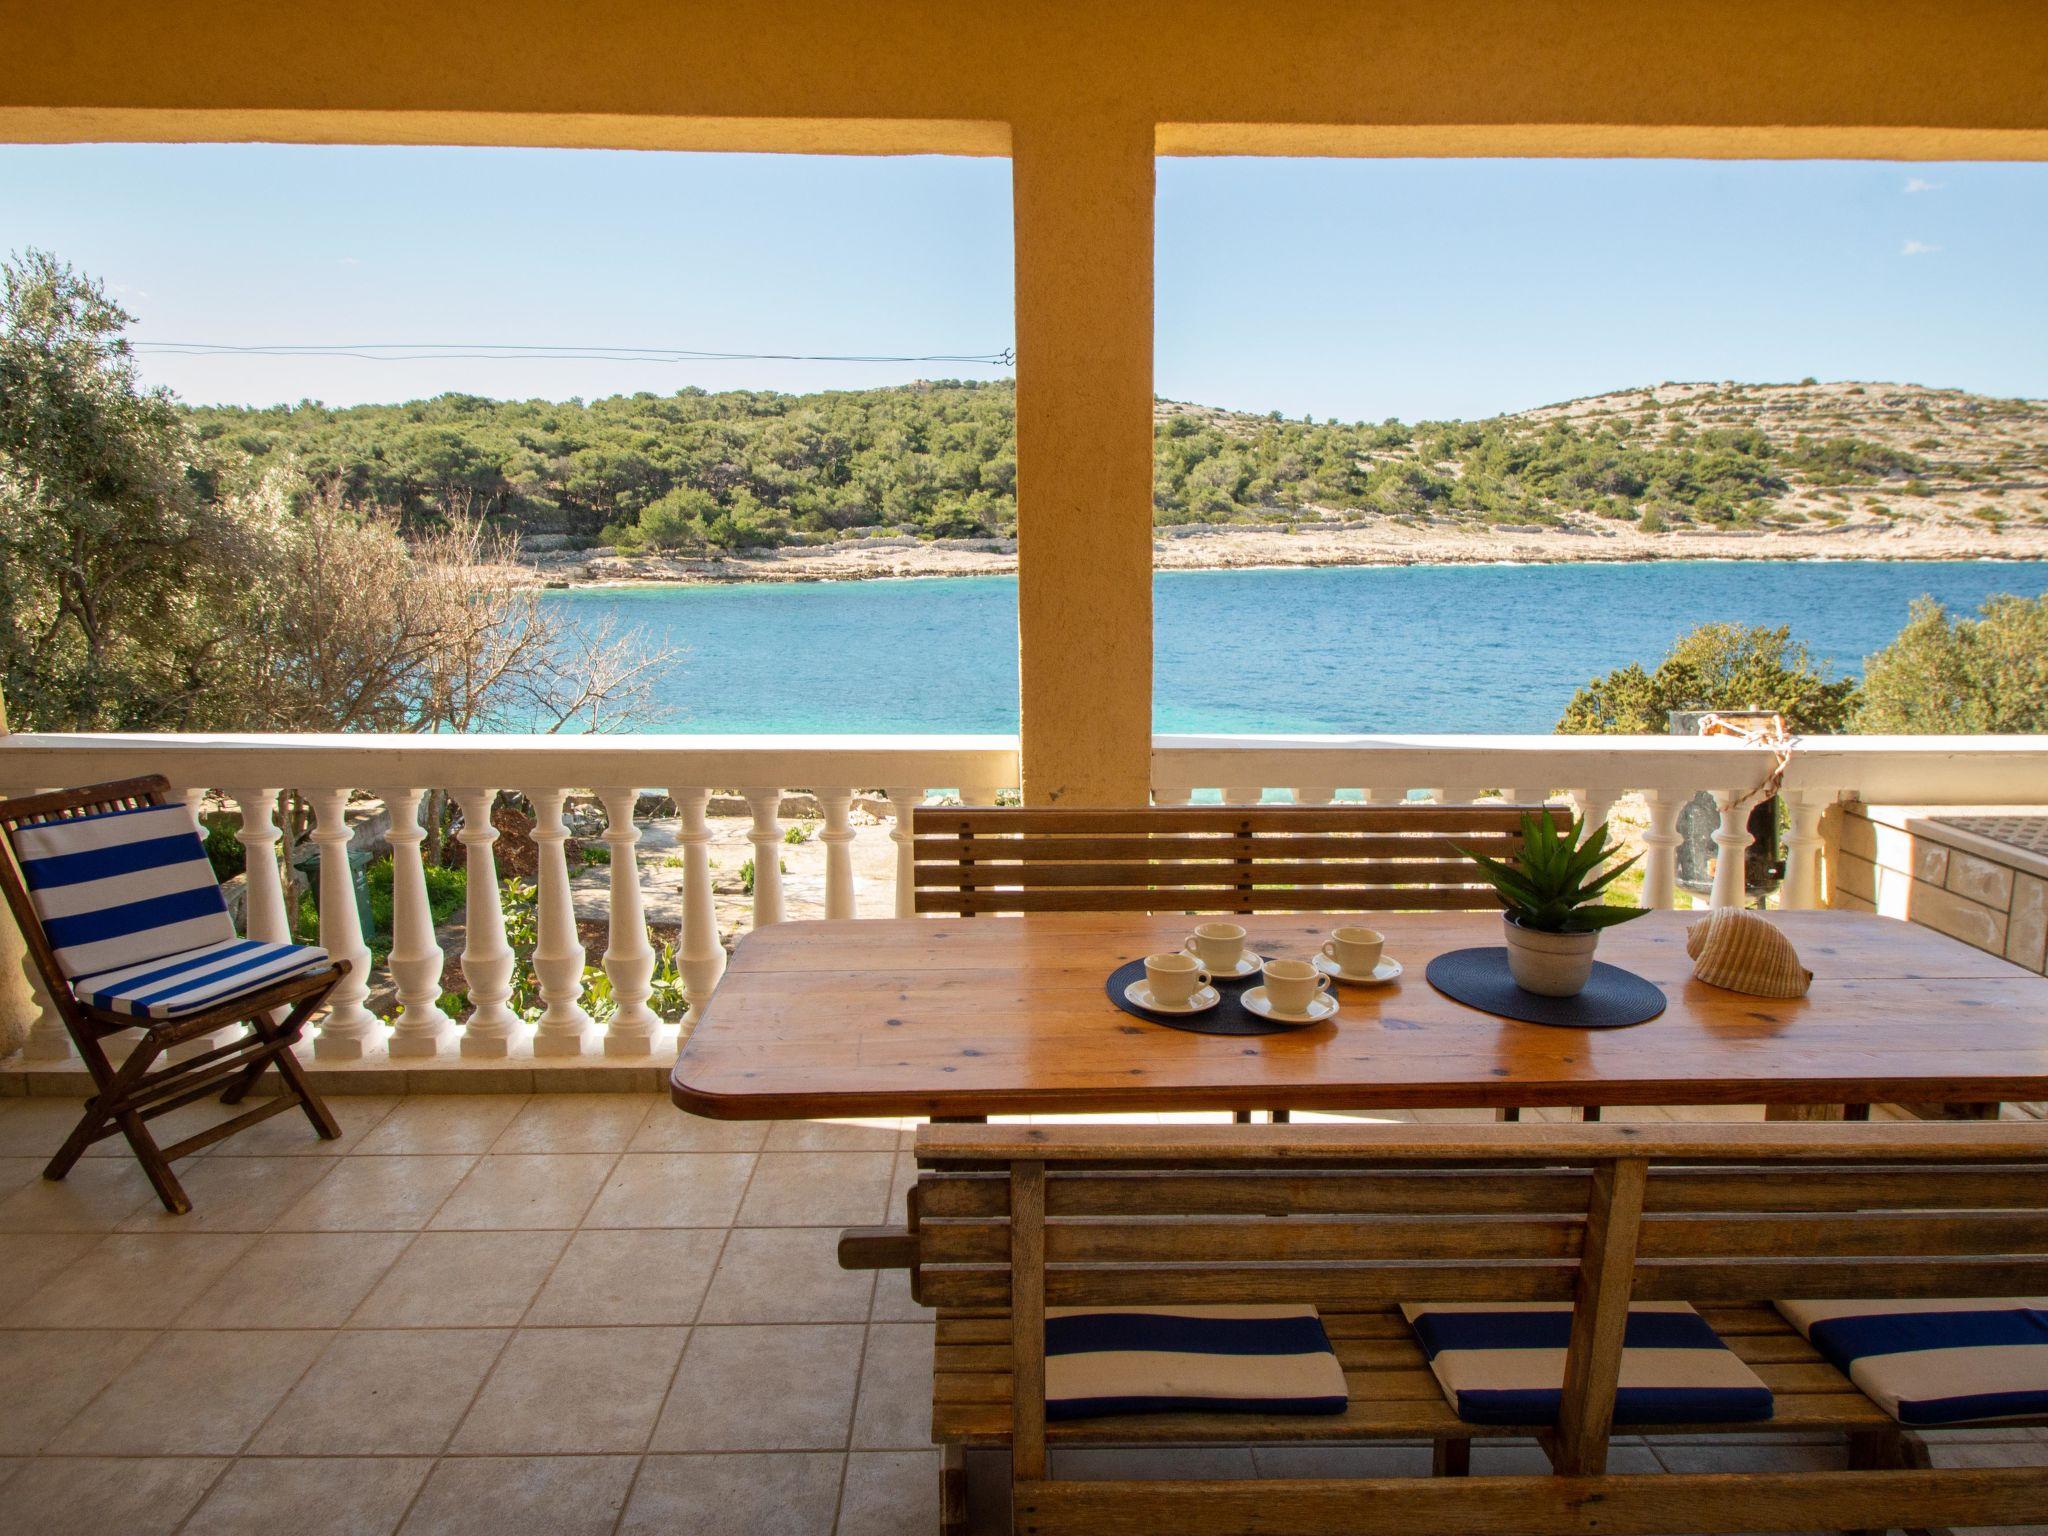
x=563, y=1314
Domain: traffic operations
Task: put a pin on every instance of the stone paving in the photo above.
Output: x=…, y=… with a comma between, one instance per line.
x=560, y=1314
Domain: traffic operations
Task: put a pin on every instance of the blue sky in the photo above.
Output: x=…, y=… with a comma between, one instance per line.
x=1357, y=289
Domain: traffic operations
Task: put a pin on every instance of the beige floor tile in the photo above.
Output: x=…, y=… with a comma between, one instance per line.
x=575, y=1122
x=232, y=1194
x=9, y=1465
x=525, y=1191
x=296, y=1280
x=132, y=1280
x=669, y=1129
x=15, y=1172
x=672, y=1189
x=889, y=1493
x=526, y=1496
x=192, y=1393
x=893, y=1301
x=51, y=1375
x=785, y=1275
x=628, y=1277
x=900, y=1181
x=1989, y=1453
x=1798, y=1457
x=818, y=1189
x=443, y=1122
x=328, y=1497
x=93, y=1197
x=895, y=1409
x=573, y=1390
x=27, y=1259
x=1341, y=1460
x=37, y=1127
x=761, y=1495
x=848, y=1135
x=377, y=1194
x=88, y=1496
x=291, y=1135
x=1526, y=1459
x=1101, y=1463
x=462, y=1280
x=769, y=1388
x=378, y=1393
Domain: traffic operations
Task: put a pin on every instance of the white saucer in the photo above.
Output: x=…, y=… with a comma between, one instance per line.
x=1382, y=973
x=1248, y=964
x=1320, y=1007
x=1139, y=995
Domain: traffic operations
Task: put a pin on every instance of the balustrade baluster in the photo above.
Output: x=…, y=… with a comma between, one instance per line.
x=980, y=794
x=47, y=1038
x=349, y=1029
x=1242, y=794
x=1315, y=795
x=422, y=1027
x=1457, y=794
x=837, y=836
x=903, y=803
x=1803, y=843
x=487, y=959
x=700, y=957
x=558, y=949
x=1660, y=849
x=628, y=956
x=1732, y=839
x=1593, y=804
x=1173, y=794
x=766, y=836
x=263, y=910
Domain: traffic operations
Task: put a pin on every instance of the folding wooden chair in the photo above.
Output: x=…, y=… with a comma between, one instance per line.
x=124, y=919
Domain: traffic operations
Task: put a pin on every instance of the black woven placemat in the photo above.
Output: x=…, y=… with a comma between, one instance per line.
x=1479, y=978
x=1229, y=1017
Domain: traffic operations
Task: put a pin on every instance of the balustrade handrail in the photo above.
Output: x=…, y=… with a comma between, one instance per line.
x=251, y=771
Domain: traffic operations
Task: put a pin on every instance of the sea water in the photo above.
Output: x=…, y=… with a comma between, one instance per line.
x=1404, y=648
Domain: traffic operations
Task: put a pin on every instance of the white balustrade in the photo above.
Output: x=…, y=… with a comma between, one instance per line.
x=628, y=956
x=564, y=1026
x=423, y=1028
x=837, y=837
x=766, y=836
x=348, y=1029
x=1661, y=842
x=700, y=956
x=492, y=1028
x=1732, y=840
x=1664, y=772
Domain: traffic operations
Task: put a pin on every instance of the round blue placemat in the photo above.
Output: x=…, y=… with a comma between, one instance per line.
x=1479, y=978
x=1229, y=1017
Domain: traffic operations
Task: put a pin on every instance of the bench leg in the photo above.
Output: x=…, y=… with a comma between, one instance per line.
x=1451, y=1458
x=952, y=1491
x=1509, y=1114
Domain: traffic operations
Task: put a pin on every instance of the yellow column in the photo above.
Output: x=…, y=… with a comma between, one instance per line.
x=1084, y=459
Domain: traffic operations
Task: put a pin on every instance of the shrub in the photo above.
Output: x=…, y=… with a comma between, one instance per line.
x=1717, y=666
x=1987, y=675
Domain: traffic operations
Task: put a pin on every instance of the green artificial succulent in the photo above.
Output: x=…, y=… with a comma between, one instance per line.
x=1554, y=884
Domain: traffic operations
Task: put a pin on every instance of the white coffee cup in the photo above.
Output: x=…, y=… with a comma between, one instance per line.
x=1219, y=946
x=1356, y=950
x=1174, y=979
x=1291, y=985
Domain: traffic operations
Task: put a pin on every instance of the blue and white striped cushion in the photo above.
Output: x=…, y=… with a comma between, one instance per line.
x=1109, y=1360
x=174, y=986
x=121, y=888
x=1936, y=1361
x=1503, y=1363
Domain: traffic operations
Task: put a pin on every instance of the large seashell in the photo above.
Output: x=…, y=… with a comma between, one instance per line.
x=1745, y=953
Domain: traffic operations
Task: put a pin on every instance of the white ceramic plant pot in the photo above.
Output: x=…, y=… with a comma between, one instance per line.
x=1549, y=964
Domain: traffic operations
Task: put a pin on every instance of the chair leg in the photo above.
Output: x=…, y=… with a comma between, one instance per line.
x=952, y=1491
x=114, y=1084
x=309, y=1100
x=1451, y=1458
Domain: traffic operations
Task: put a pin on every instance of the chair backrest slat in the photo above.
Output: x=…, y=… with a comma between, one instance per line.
x=1196, y=859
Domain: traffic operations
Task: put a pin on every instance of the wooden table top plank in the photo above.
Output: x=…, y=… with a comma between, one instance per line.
x=1007, y=1015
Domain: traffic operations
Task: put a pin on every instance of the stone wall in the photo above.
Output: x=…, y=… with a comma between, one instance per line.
x=1904, y=862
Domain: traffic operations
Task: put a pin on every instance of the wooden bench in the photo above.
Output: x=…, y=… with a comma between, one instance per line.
x=1007, y=1220
x=1210, y=859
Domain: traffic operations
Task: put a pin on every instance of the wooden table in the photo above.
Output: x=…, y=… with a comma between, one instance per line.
x=1007, y=1015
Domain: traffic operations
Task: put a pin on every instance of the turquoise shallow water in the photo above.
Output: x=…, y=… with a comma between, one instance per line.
x=1409, y=648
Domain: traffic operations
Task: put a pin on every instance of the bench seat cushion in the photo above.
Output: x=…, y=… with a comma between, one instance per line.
x=1199, y=1359
x=1503, y=1363
x=178, y=986
x=1931, y=1362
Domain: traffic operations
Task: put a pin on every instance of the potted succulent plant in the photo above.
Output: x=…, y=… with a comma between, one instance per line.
x=1552, y=894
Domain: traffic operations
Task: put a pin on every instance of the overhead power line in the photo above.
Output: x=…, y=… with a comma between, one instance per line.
x=430, y=351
